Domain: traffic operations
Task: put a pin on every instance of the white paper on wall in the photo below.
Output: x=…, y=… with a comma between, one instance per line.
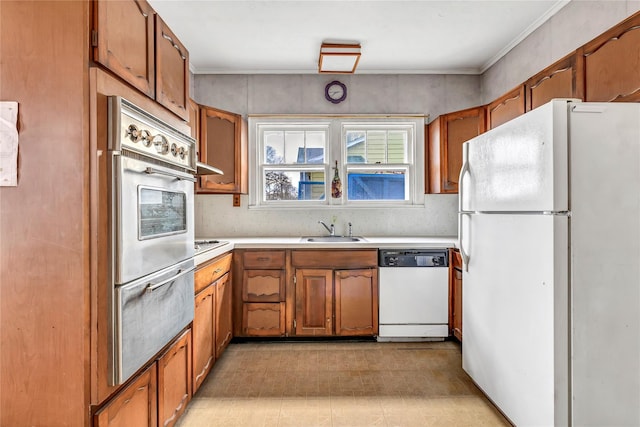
x=8, y=143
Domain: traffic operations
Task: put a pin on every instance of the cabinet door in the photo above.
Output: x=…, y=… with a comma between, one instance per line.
x=224, y=325
x=356, y=302
x=263, y=319
x=455, y=292
x=123, y=41
x=174, y=380
x=507, y=107
x=263, y=285
x=223, y=144
x=314, y=302
x=556, y=81
x=446, y=136
x=611, y=63
x=194, y=121
x=172, y=71
x=203, y=331
x=135, y=405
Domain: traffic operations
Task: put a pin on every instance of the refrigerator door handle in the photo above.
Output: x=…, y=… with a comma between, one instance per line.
x=463, y=254
x=463, y=171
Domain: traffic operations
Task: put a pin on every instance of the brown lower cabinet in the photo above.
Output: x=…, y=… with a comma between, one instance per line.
x=174, y=380
x=157, y=396
x=336, y=293
x=135, y=405
x=204, y=355
x=300, y=292
x=455, y=293
x=212, y=318
x=223, y=314
x=336, y=302
x=259, y=292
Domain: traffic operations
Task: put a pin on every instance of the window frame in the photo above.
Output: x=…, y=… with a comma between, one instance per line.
x=336, y=149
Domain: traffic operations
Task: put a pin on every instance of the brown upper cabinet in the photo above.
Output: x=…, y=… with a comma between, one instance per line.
x=123, y=41
x=134, y=43
x=446, y=134
x=223, y=144
x=611, y=64
x=558, y=80
x=193, y=109
x=172, y=71
x=507, y=107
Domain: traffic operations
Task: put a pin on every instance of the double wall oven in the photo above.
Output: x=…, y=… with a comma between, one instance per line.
x=151, y=167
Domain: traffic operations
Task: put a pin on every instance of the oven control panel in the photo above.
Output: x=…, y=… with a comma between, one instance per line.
x=134, y=129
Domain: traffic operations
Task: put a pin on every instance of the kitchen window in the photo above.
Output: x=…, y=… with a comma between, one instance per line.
x=296, y=159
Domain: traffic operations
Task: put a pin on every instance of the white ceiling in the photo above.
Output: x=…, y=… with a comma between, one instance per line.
x=397, y=36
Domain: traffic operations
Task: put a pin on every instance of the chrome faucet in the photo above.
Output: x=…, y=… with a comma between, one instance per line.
x=332, y=230
x=350, y=232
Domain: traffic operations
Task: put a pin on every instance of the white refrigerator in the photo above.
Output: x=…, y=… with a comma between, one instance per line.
x=549, y=232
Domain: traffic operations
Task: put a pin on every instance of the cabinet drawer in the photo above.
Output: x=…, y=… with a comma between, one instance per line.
x=353, y=258
x=263, y=285
x=263, y=259
x=263, y=319
x=211, y=272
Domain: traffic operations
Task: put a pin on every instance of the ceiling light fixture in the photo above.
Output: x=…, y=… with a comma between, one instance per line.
x=338, y=58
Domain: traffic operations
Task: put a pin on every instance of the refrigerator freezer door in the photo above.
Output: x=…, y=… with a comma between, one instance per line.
x=520, y=166
x=515, y=311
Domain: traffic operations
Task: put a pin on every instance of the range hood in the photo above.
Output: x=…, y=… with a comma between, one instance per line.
x=205, y=169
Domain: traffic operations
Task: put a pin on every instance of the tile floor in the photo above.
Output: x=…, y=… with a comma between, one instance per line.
x=334, y=384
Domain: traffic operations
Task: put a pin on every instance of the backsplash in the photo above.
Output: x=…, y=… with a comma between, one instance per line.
x=215, y=216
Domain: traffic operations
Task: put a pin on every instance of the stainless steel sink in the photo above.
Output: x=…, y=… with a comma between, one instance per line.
x=332, y=239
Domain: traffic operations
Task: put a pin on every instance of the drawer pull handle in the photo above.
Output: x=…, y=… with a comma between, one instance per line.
x=263, y=258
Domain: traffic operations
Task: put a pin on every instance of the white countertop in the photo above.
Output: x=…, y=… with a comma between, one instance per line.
x=297, y=243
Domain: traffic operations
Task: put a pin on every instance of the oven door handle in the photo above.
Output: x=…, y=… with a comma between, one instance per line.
x=171, y=174
x=153, y=286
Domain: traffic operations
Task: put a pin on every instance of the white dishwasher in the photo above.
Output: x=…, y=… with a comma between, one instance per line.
x=414, y=294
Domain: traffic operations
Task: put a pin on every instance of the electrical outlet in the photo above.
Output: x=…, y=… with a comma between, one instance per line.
x=236, y=200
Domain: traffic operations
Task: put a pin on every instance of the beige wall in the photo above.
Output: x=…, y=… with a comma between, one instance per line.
x=294, y=94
